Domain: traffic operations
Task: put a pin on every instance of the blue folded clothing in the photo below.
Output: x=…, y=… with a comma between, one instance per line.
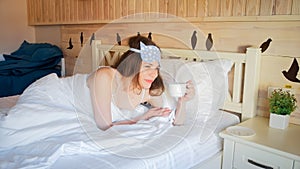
x=30, y=57
x=27, y=64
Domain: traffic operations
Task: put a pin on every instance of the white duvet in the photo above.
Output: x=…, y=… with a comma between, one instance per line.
x=53, y=119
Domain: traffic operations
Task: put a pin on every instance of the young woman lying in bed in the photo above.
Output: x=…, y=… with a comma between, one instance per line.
x=53, y=123
x=135, y=79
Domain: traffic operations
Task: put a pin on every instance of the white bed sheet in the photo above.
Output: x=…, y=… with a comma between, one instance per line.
x=187, y=154
x=57, y=131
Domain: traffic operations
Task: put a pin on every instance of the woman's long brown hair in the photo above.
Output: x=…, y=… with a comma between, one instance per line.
x=130, y=63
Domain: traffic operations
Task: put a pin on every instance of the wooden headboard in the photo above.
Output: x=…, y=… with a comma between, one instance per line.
x=246, y=71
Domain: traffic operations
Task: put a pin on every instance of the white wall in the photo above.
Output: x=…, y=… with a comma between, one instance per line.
x=14, y=29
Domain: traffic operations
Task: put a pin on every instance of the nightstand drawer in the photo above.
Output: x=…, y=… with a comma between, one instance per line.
x=247, y=157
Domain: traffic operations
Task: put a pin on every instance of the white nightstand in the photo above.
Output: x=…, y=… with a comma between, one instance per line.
x=273, y=148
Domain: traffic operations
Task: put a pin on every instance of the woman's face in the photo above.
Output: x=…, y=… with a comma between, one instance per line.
x=148, y=73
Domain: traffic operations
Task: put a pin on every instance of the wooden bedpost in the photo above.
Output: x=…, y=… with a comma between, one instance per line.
x=95, y=54
x=251, y=82
x=63, y=67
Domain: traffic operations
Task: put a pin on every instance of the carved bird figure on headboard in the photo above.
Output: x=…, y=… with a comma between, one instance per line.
x=194, y=40
x=292, y=73
x=150, y=35
x=92, y=38
x=70, y=44
x=81, y=39
x=119, y=39
x=209, y=41
x=264, y=46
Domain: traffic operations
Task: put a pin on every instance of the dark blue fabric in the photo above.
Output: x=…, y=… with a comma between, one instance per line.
x=28, y=49
x=13, y=85
x=23, y=66
x=39, y=54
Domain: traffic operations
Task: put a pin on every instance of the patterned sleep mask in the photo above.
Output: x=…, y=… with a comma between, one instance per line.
x=148, y=53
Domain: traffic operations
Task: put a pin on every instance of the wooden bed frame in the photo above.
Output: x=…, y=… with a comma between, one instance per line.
x=242, y=100
x=63, y=67
x=246, y=70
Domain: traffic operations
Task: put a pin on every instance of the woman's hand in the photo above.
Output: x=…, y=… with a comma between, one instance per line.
x=190, y=91
x=156, y=112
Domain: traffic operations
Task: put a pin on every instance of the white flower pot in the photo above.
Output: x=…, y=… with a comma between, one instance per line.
x=279, y=121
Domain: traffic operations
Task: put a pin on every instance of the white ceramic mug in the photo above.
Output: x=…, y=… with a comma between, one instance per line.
x=177, y=89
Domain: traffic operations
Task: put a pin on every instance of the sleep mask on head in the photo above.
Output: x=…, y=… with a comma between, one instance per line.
x=148, y=53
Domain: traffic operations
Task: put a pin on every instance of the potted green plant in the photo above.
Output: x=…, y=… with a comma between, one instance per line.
x=281, y=103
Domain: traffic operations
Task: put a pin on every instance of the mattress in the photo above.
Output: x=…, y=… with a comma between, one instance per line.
x=6, y=103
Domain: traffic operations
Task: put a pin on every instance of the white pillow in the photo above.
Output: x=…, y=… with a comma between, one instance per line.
x=170, y=66
x=211, y=82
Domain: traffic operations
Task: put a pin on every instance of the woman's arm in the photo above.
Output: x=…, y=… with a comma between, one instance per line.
x=100, y=85
x=181, y=104
x=179, y=112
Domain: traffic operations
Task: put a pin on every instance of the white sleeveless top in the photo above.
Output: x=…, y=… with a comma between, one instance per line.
x=118, y=114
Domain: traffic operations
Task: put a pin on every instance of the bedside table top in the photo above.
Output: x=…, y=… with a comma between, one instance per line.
x=285, y=142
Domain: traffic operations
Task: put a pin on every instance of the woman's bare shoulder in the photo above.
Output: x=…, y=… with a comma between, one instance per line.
x=106, y=70
x=104, y=74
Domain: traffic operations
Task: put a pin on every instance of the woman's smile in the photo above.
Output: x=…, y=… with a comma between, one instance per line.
x=149, y=81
